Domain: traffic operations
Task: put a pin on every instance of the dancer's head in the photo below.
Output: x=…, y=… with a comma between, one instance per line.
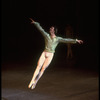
x=53, y=30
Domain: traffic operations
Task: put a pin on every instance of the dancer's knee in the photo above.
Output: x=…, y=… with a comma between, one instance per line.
x=43, y=69
x=37, y=69
x=39, y=66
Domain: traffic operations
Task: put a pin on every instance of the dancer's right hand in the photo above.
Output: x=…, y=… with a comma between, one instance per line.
x=32, y=20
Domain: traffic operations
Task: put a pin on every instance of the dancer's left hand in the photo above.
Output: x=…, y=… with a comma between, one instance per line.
x=79, y=41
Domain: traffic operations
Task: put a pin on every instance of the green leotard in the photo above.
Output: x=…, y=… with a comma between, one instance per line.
x=51, y=43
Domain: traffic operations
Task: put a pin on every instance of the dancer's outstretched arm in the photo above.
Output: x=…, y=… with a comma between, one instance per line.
x=69, y=40
x=45, y=34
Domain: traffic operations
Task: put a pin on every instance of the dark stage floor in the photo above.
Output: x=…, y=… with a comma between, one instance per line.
x=55, y=84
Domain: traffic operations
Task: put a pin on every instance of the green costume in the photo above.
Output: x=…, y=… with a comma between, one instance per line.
x=51, y=43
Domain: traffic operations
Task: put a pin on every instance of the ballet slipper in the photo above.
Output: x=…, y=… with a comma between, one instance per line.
x=33, y=86
x=32, y=82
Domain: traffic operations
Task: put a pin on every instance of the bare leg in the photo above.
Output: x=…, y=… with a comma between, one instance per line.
x=40, y=63
x=45, y=65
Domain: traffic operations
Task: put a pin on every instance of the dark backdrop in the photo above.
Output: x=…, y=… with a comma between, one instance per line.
x=22, y=42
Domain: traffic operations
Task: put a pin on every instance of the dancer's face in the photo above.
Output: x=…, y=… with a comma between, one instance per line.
x=52, y=31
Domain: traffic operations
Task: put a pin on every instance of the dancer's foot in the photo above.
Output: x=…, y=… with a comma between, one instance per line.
x=32, y=82
x=33, y=85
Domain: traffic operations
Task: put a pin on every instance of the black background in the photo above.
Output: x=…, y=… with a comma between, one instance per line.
x=22, y=42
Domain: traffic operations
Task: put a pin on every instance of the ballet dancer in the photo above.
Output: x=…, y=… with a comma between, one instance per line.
x=51, y=42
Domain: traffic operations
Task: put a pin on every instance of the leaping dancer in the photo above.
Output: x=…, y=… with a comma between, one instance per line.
x=51, y=42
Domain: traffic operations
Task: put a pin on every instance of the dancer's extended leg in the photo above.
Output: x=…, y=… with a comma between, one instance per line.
x=45, y=65
x=39, y=65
